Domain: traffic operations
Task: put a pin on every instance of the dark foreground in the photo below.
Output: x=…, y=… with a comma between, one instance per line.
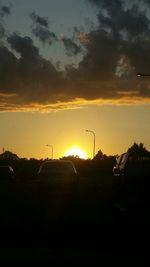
x=38, y=224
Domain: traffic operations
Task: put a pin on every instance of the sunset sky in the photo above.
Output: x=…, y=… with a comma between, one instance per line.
x=70, y=65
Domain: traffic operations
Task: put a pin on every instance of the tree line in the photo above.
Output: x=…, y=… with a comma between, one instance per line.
x=101, y=164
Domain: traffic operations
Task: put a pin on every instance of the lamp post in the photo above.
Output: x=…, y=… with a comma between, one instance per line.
x=142, y=75
x=92, y=132
x=51, y=148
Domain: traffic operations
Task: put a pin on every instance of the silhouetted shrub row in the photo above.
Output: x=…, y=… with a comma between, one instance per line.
x=28, y=169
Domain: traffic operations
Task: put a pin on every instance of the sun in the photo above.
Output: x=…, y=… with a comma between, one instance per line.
x=76, y=151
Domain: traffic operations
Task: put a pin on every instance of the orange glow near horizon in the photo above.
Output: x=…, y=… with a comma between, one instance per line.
x=76, y=151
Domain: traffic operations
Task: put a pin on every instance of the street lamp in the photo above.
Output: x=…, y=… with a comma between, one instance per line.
x=142, y=75
x=51, y=148
x=89, y=131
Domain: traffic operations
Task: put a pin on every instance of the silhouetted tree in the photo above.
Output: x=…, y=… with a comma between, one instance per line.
x=9, y=155
x=100, y=155
x=137, y=148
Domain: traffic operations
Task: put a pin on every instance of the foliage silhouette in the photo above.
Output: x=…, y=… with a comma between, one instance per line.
x=9, y=155
x=137, y=148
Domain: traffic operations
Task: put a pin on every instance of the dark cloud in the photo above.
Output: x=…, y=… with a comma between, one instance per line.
x=8, y=71
x=72, y=48
x=2, y=31
x=23, y=45
x=147, y=2
x=116, y=49
x=39, y=20
x=122, y=33
x=44, y=35
x=33, y=78
x=40, y=29
x=4, y=10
